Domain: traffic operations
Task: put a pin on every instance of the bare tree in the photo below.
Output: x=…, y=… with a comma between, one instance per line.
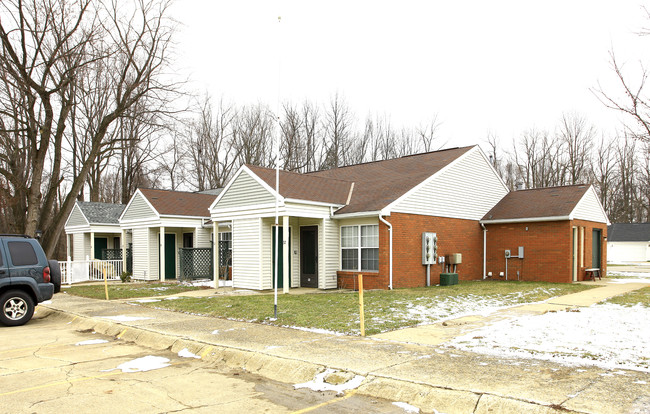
x=337, y=133
x=428, y=135
x=48, y=48
x=253, y=136
x=576, y=135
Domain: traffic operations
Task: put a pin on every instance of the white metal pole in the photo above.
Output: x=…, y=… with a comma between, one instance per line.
x=277, y=184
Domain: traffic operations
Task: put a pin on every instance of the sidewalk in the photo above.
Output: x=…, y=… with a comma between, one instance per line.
x=407, y=368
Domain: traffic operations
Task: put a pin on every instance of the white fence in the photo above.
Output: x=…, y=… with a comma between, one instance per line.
x=89, y=270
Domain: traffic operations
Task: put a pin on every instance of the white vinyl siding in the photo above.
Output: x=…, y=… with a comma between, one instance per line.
x=466, y=189
x=140, y=239
x=244, y=191
x=625, y=252
x=329, y=251
x=76, y=218
x=202, y=237
x=80, y=246
x=154, y=257
x=138, y=209
x=246, y=254
x=589, y=208
x=266, y=277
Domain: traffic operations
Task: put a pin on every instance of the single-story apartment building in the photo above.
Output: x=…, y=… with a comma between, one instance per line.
x=92, y=228
x=166, y=221
x=628, y=242
x=370, y=219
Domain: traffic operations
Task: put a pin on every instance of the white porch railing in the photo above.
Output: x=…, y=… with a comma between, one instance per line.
x=88, y=270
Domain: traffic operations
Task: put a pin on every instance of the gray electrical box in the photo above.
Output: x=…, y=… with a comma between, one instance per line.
x=521, y=252
x=455, y=258
x=429, y=248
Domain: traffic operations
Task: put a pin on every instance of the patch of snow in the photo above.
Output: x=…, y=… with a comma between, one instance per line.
x=272, y=347
x=207, y=283
x=124, y=318
x=147, y=363
x=185, y=353
x=315, y=330
x=606, y=335
x=408, y=408
x=172, y=298
x=631, y=280
x=92, y=342
x=147, y=300
x=46, y=302
x=215, y=332
x=640, y=382
x=319, y=384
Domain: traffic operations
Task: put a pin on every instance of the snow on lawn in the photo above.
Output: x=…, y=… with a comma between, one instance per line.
x=426, y=310
x=608, y=336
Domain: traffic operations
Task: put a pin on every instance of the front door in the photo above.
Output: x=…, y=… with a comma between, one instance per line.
x=170, y=256
x=595, y=248
x=309, y=256
x=280, y=256
x=101, y=244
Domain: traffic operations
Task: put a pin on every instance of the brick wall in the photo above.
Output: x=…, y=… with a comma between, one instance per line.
x=548, y=249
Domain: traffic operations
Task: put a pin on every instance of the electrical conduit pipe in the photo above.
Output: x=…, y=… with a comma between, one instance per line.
x=390, y=251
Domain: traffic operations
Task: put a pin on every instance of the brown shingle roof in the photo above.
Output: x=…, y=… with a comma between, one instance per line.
x=379, y=183
x=306, y=187
x=179, y=203
x=538, y=203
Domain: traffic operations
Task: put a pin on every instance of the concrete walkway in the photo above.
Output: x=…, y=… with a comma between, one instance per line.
x=409, y=369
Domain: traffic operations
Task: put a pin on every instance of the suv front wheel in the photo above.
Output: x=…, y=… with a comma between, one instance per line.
x=17, y=308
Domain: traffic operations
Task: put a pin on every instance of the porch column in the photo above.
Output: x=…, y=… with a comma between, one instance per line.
x=123, y=241
x=215, y=254
x=92, y=245
x=68, y=238
x=285, y=254
x=162, y=254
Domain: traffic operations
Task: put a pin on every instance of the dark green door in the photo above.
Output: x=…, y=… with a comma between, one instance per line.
x=595, y=248
x=101, y=244
x=170, y=256
x=280, y=256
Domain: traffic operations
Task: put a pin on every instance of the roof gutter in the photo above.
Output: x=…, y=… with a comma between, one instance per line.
x=390, y=251
x=526, y=220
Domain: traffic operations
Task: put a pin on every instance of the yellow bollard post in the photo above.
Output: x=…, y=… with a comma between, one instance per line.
x=105, y=281
x=363, y=328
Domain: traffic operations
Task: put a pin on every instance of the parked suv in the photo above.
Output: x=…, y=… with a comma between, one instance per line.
x=26, y=278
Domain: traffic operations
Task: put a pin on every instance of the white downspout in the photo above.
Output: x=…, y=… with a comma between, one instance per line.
x=390, y=252
x=484, y=249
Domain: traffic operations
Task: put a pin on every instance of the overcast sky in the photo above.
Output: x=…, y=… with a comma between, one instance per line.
x=500, y=66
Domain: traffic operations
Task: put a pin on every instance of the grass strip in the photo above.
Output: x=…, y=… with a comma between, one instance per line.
x=129, y=290
x=386, y=310
x=636, y=297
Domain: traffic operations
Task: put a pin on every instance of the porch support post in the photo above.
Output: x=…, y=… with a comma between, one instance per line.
x=68, y=239
x=123, y=241
x=285, y=254
x=92, y=245
x=162, y=254
x=215, y=254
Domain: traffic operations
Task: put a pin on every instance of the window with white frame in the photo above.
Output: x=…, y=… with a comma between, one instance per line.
x=360, y=248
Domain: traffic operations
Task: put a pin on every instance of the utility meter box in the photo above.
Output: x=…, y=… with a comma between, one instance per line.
x=455, y=258
x=507, y=254
x=429, y=248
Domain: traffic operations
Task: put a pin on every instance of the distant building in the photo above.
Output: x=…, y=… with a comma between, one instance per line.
x=628, y=242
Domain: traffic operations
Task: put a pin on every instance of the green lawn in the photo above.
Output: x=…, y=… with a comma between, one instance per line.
x=384, y=310
x=637, y=297
x=129, y=290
